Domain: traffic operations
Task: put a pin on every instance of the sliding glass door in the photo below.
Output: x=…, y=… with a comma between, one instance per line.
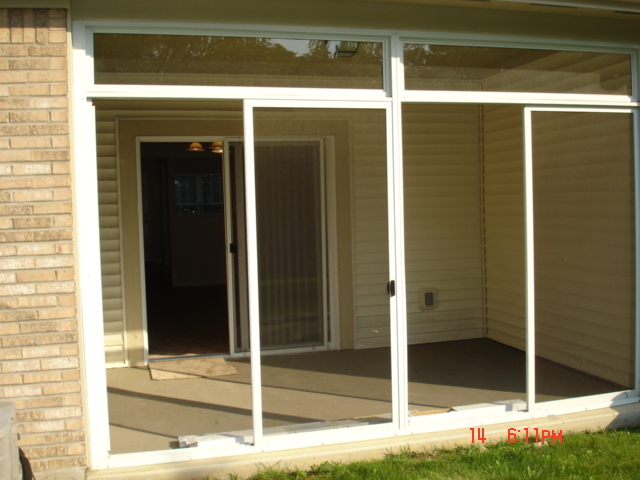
x=319, y=266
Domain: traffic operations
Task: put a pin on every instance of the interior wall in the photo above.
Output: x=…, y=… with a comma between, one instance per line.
x=443, y=221
x=503, y=203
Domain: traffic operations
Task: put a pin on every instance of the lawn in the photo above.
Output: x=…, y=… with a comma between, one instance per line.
x=608, y=454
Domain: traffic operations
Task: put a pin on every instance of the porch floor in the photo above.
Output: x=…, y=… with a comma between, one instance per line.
x=147, y=414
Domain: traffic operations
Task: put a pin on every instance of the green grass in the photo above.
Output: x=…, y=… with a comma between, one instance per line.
x=609, y=454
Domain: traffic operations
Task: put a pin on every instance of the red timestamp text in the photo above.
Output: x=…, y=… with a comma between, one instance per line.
x=523, y=435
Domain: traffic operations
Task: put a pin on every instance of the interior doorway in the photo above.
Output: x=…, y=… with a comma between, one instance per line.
x=184, y=249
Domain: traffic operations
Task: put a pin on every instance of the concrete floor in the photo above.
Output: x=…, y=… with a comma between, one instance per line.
x=147, y=414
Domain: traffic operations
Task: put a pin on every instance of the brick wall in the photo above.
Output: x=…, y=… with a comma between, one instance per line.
x=38, y=328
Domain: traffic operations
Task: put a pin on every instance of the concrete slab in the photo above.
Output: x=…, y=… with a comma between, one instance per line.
x=305, y=388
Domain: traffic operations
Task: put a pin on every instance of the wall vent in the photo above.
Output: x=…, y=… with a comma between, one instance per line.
x=428, y=298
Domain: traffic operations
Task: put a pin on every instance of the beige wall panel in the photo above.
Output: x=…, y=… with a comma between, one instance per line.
x=504, y=224
x=110, y=241
x=443, y=221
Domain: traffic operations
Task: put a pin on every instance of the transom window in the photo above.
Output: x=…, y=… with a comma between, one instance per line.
x=448, y=67
x=236, y=61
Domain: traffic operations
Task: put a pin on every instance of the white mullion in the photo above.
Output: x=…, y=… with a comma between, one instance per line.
x=252, y=268
x=397, y=409
x=517, y=98
x=399, y=342
x=580, y=109
x=90, y=281
x=197, y=92
x=530, y=316
x=85, y=182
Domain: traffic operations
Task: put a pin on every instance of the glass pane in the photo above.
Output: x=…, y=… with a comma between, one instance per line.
x=464, y=238
x=236, y=61
x=489, y=69
x=323, y=259
x=584, y=252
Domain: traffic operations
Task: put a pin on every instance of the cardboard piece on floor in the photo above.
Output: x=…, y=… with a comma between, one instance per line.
x=206, y=367
x=162, y=375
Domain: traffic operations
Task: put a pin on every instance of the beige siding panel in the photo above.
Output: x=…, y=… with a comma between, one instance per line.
x=113, y=355
x=504, y=224
x=110, y=245
x=443, y=234
x=370, y=235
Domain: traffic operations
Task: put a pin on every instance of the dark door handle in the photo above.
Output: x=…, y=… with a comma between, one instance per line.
x=391, y=288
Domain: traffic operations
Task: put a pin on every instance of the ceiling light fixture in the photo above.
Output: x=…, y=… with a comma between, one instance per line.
x=195, y=147
x=216, y=147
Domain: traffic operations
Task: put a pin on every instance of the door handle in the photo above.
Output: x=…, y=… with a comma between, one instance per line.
x=391, y=288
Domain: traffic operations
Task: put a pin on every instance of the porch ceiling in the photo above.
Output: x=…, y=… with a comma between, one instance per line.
x=589, y=8
x=578, y=7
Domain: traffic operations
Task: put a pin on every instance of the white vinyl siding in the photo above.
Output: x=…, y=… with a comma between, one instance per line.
x=370, y=237
x=443, y=233
x=504, y=224
x=110, y=245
